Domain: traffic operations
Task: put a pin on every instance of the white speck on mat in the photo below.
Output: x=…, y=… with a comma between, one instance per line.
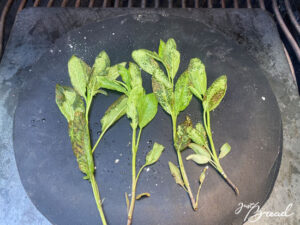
x=263, y=98
x=51, y=50
x=70, y=45
x=113, y=33
x=117, y=161
x=84, y=37
x=148, y=169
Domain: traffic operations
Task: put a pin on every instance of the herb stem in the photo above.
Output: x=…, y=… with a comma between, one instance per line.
x=181, y=165
x=97, y=198
x=99, y=139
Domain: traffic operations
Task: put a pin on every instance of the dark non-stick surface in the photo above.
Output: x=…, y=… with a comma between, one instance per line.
x=248, y=119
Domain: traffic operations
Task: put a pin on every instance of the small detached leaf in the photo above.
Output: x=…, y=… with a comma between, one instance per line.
x=79, y=73
x=199, y=159
x=200, y=150
x=176, y=174
x=146, y=194
x=183, y=96
x=197, y=76
x=154, y=154
x=114, y=112
x=147, y=109
x=225, y=149
x=215, y=93
x=182, y=138
x=163, y=95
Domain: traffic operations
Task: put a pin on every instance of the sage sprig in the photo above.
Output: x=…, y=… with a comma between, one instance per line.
x=173, y=98
x=211, y=98
x=140, y=108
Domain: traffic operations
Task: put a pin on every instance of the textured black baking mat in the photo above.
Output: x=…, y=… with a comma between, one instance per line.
x=248, y=119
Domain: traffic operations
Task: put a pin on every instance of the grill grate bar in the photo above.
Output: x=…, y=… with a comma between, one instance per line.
x=262, y=4
x=21, y=6
x=236, y=4
x=64, y=3
x=292, y=16
x=50, y=3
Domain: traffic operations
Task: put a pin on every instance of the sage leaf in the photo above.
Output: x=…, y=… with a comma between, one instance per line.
x=114, y=112
x=68, y=101
x=101, y=63
x=125, y=76
x=182, y=137
x=225, y=149
x=215, y=93
x=197, y=136
x=135, y=75
x=176, y=174
x=160, y=76
x=202, y=175
x=197, y=76
x=79, y=135
x=111, y=84
x=113, y=71
x=200, y=150
x=147, y=109
x=154, y=154
x=161, y=49
x=199, y=159
x=183, y=96
x=146, y=194
x=132, y=104
x=145, y=61
x=170, y=57
x=79, y=73
x=163, y=95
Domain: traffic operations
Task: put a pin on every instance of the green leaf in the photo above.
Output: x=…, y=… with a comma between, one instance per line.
x=183, y=96
x=68, y=101
x=225, y=149
x=154, y=154
x=182, y=138
x=146, y=194
x=176, y=174
x=113, y=71
x=135, y=75
x=202, y=175
x=143, y=58
x=195, y=92
x=125, y=76
x=111, y=84
x=161, y=49
x=160, y=76
x=101, y=63
x=163, y=95
x=215, y=93
x=170, y=57
x=79, y=73
x=199, y=137
x=197, y=76
x=147, y=109
x=199, y=150
x=114, y=112
x=79, y=135
x=132, y=104
x=127, y=201
x=199, y=159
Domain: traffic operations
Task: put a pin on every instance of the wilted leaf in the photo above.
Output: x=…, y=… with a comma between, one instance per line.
x=199, y=159
x=183, y=96
x=132, y=104
x=154, y=154
x=125, y=76
x=170, y=57
x=110, y=84
x=114, y=112
x=225, y=149
x=163, y=95
x=215, y=93
x=79, y=73
x=197, y=76
x=79, y=134
x=147, y=109
x=68, y=101
x=197, y=136
x=199, y=150
x=176, y=174
x=146, y=194
x=145, y=61
x=135, y=75
x=182, y=138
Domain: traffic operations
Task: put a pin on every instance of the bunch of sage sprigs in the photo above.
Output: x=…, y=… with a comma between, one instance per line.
x=173, y=98
x=140, y=108
x=86, y=84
